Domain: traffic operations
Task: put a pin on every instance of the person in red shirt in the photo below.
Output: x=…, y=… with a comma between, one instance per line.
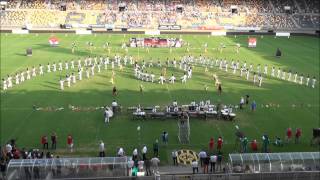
x=44, y=142
x=289, y=134
x=70, y=143
x=254, y=146
x=220, y=142
x=298, y=134
x=211, y=144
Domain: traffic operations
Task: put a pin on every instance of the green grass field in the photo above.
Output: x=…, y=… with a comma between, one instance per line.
x=20, y=121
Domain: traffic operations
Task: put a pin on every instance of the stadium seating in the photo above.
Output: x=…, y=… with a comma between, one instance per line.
x=151, y=13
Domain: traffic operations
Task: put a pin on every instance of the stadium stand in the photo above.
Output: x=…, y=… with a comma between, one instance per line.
x=190, y=14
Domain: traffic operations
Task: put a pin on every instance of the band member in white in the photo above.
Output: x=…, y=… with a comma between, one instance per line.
x=172, y=79
x=61, y=84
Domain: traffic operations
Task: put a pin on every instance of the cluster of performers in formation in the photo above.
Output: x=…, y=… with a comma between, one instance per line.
x=91, y=64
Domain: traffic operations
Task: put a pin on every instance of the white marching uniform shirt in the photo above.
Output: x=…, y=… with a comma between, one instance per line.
x=61, y=84
x=48, y=68
x=226, y=67
x=66, y=65
x=313, y=82
x=105, y=64
x=73, y=79
x=9, y=82
x=254, y=78
x=184, y=78
x=283, y=75
x=295, y=78
x=79, y=63
x=189, y=73
x=301, y=79
x=17, y=79
x=92, y=70
x=99, y=69
x=172, y=79
x=289, y=76
x=87, y=73
x=28, y=74
x=69, y=81
x=72, y=65
x=22, y=77
x=260, y=80
x=54, y=67
x=80, y=75
x=248, y=74
x=60, y=66
x=152, y=77
x=272, y=72
x=161, y=79
x=307, y=82
x=265, y=70
x=34, y=72
x=279, y=73
x=4, y=85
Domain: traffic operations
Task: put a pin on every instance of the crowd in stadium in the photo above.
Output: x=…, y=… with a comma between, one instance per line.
x=151, y=13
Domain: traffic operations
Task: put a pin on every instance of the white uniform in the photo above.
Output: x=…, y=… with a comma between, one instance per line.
x=272, y=72
x=99, y=69
x=289, y=76
x=307, y=82
x=279, y=73
x=60, y=66
x=105, y=64
x=41, y=70
x=87, y=73
x=54, y=67
x=152, y=77
x=248, y=74
x=260, y=80
x=226, y=67
x=17, y=79
x=265, y=69
x=92, y=70
x=80, y=74
x=79, y=63
x=172, y=79
x=4, y=85
x=161, y=79
x=9, y=82
x=48, y=68
x=34, y=72
x=254, y=78
x=73, y=78
x=283, y=75
x=184, y=78
x=69, y=81
x=314, y=82
x=295, y=77
x=301, y=79
x=28, y=74
x=72, y=65
x=22, y=77
x=190, y=73
x=66, y=65
x=61, y=84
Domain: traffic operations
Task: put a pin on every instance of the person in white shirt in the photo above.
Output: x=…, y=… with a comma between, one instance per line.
x=60, y=66
x=152, y=77
x=48, y=68
x=22, y=76
x=54, y=67
x=260, y=80
x=87, y=73
x=66, y=65
x=135, y=154
x=308, y=80
x=4, y=84
x=73, y=78
x=120, y=152
x=247, y=74
x=189, y=72
x=105, y=64
x=279, y=73
x=61, y=84
x=314, y=81
x=184, y=78
x=272, y=71
x=68, y=78
x=144, y=152
x=101, y=149
x=33, y=71
x=79, y=63
x=234, y=69
x=99, y=69
x=72, y=64
x=80, y=74
x=106, y=116
x=226, y=67
x=283, y=75
x=17, y=78
x=301, y=79
x=195, y=168
x=295, y=77
x=161, y=79
x=289, y=75
x=172, y=79
x=265, y=69
x=9, y=79
x=28, y=74
x=213, y=161
x=40, y=69
x=92, y=70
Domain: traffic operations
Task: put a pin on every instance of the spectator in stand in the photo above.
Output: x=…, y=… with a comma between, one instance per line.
x=213, y=161
x=101, y=149
x=148, y=167
x=220, y=142
x=195, y=166
x=289, y=135
x=211, y=144
x=202, y=155
x=70, y=143
x=298, y=135
x=219, y=161
x=44, y=142
x=155, y=163
x=144, y=152
x=174, y=155
x=206, y=164
x=254, y=146
x=53, y=140
x=156, y=148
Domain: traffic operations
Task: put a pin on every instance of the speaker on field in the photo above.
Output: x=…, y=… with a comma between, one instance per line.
x=29, y=51
x=278, y=53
